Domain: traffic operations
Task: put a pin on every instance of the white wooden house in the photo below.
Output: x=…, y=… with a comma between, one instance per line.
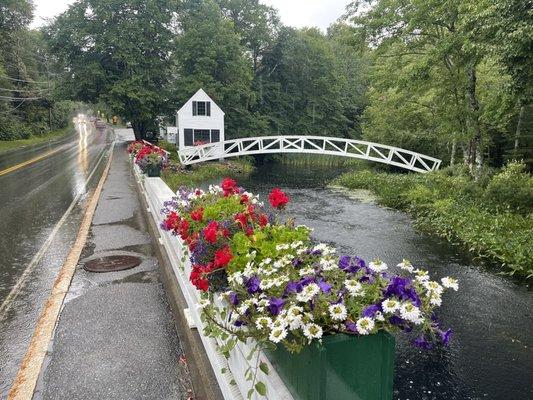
x=200, y=120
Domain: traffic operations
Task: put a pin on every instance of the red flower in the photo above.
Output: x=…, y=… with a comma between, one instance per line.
x=229, y=186
x=249, y=231
x=184, y=229
x=278, y=199
x=197, y=215
x=242, y=219
x=244, y=199
x=171, y=221
x=210, y=232
x=197, y=277
x=263, y=220
x=223, y=257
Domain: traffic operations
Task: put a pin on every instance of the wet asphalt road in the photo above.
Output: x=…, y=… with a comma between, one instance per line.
x=33, y=203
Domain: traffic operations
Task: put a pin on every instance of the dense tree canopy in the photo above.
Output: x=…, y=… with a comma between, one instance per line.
x=119, y=53
x=451, y=79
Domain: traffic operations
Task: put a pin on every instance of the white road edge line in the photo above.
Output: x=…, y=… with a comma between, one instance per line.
x=6, y=304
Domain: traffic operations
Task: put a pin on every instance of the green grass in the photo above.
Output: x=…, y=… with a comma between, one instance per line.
x=175, y=176
x=492, y=218
x=10, y=145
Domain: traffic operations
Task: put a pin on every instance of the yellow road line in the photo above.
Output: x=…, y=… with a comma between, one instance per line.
x=35, y=159
x=26, y=378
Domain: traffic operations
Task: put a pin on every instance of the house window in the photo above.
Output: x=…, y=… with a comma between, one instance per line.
x=201, y=108
x=202, y=136
x=195, y=137
x=188, y=137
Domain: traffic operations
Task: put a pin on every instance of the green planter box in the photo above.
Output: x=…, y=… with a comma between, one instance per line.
x=343, y=367
x=153, y=171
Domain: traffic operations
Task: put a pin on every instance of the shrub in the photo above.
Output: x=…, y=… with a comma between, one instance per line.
x=511, y=188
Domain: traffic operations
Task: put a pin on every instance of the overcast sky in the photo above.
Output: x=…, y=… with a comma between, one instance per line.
x=297, y=13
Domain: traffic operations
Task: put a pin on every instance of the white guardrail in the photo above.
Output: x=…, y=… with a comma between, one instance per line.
x=156, y=192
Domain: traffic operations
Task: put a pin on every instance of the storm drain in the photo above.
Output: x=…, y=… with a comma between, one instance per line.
x=111, y=263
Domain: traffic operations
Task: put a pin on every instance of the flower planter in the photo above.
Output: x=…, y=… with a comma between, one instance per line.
x=153, y=170
x=343, y=367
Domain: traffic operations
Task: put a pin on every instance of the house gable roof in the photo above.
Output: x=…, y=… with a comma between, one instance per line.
x=200, y=95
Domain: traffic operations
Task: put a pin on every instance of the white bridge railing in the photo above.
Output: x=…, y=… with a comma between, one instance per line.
x=311, y=144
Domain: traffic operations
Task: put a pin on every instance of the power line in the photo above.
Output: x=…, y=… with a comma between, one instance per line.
x=6, y=98
x=20, y=80
x=26, y=91
x=14, y=108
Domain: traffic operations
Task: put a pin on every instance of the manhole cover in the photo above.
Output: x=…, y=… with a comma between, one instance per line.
x=111, y=263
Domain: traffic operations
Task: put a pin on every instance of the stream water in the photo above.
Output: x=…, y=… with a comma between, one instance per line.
x=491, y=354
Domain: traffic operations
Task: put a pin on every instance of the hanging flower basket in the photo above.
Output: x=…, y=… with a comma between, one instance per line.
x=343, y=367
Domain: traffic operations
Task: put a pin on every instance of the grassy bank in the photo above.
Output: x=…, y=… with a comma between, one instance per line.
x=10, y=145
x=492, y=218
x=176, y=175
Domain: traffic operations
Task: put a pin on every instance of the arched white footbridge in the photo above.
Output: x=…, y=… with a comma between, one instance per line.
x=310, y=144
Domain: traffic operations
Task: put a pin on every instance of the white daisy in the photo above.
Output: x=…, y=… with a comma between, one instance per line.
x=432, y=286
x=406, y=265
x=364, y=325
x=377, y=266
x=337, y=312
x=263, y=322
x=277, y=335
x=435, y=299
x=354, y=287
x=308, y=292
x=328, y=264
x=312, y=331
x=450, y=283
x=421, y=275
x=306, y=271
x=410, y=312
x=390, y=305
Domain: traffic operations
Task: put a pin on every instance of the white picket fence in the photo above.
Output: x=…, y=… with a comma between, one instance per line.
x=156, y=192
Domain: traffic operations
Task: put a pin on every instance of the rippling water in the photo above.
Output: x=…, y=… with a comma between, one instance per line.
x=491, y=355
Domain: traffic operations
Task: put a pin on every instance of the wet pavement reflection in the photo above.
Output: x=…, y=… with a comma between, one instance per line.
x=41, y=206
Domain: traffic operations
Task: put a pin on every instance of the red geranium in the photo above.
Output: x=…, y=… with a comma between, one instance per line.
x=242, y=219
x=210, y=232
x=244, y=199
x=223, y=257
x=197, y=277
x=263, y=220
x=197, y=215
x=229, y=186
x=278, y=199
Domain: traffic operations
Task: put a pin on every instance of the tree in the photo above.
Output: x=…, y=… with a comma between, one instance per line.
x=426, y=79
x=119, y=53
x=209, y=55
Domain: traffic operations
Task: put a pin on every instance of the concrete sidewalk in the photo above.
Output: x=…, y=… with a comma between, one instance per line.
x=116, y=337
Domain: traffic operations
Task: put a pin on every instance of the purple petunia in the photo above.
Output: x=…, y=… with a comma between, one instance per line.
x=351, y=264
x=422, y=342
x=275, y=305
x=351, y=326
x=403, y=289
x=252, y=284
x=371, y=310
x=445, y=336
x=233, y=299
x=324, y=286
x=293, y=287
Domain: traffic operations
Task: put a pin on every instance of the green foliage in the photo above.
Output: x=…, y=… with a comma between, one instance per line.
x=175, y=176
x=511, y=188
x=492, y=219
x=116, y=52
